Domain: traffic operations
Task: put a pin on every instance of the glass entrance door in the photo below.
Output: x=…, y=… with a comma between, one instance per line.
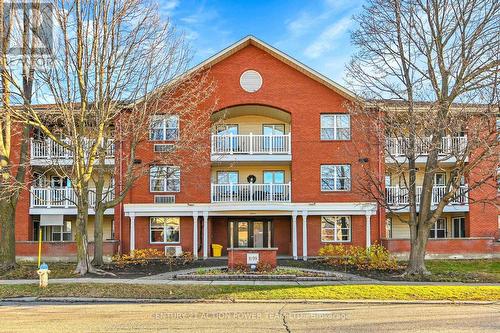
x=250, y=234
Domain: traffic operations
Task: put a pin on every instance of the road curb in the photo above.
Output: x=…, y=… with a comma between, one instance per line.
x=68, y=300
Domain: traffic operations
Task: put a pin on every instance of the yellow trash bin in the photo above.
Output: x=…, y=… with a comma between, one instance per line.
x=216, y=250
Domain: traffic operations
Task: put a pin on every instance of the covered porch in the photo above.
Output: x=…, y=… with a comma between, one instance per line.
x=294, y=229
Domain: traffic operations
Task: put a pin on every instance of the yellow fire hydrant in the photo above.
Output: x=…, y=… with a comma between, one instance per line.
x=43, y=273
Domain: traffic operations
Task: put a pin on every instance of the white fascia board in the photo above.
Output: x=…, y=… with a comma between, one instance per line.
x=214, y=209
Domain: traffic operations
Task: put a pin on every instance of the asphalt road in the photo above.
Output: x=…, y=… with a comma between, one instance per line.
x=249, y=317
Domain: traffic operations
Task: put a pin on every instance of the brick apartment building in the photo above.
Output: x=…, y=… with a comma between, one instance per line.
x=280, y=173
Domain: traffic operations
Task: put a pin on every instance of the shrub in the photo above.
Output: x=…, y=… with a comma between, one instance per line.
x=264, y=267
x=376, y=257
x=240, y=268
x=145, y=256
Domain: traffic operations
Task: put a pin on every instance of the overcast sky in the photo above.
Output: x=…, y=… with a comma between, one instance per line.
x=315, y=32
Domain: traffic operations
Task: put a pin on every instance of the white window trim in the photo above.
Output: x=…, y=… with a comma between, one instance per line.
x=164, y=226
x=61, y=233
x=164, y=127
x=335, y=240
x=348, y=189
x=434, y=227
x=335, y=128
x=164, y=189
x=453, y=225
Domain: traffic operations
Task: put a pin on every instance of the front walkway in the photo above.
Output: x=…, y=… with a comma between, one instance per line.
x=169, y=279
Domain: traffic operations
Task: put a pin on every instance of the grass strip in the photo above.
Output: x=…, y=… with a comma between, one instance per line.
x=344, y=292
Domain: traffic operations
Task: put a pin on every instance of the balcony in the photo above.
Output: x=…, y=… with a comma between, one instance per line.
x=251, y=147
x=251, y=193
x=398, y=197
x=51, y=197
x=48, y=152
x=450, y=148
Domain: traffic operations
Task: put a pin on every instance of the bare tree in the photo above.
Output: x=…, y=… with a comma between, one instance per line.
x=181, y=100
x=114, y=61
x=20, y=32
x=428, y=70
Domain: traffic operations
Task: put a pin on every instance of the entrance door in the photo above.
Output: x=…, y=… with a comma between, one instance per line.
x=250, y=234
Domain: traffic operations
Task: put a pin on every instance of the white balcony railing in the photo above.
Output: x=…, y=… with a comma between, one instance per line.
x=449, y=145
x=251, y=144
x=48, y=197
x=398, y=196
x=48, y=149
x=251, y=192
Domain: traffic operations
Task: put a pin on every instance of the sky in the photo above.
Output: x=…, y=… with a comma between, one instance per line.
x=315, y=32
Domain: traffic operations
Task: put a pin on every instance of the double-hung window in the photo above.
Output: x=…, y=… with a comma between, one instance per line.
x=438, y=230
x=164, y=229
x=62, y=233
x=336, y=177
x=164, y=178
x=335, y=127
x=335, y=228
x=458, y=227
x=164, y=128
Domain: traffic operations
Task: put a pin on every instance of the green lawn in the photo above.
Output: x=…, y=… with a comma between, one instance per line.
x=490, y=267
x=379, y=292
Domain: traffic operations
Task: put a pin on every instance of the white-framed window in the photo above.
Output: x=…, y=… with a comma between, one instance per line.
x=164, y=178
x=62, y=233
x=458, y=227
x=164, y=128
x=336, y=177
x=335, y=228
x=164, y=230
x=438, y=230
x=335, y=127
x=388, y=227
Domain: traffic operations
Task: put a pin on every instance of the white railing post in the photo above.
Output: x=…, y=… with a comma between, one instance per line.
x=49, y=196
x=251, y=192
x=231, y=143
x=251, y=143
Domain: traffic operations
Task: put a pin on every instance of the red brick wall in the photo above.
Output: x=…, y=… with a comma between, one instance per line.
x=59, y=249
x=446, y=246
x=358, y=233
x=142, y=235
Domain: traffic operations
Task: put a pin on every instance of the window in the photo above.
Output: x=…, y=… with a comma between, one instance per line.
x=274, y=177
x=440, y=179
x=335, y=177
x=164, y=128
x=335, y=127
x=164, y=229
x=227, y=129
x=458, y=227
x=164, y=179
x=388, y=227
x=335, y=228
x=227, y=177
x=62, y=233
x=273, y=137
x=438, y=230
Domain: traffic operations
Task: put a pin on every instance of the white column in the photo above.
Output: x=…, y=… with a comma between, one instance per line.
x=132, y=233
x=304, y=235
x=294, y=235
x=368, y=231
x=205, y=235
x=195, y=235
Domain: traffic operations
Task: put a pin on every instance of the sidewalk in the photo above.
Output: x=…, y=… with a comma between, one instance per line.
x=149, y=281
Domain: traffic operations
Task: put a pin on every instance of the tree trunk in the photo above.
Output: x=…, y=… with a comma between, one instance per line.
x=7, y=235
x=419, y=235
x=98, y=238
x=83, y=261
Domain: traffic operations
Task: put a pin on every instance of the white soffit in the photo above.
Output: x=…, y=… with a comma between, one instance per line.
x=46, y=220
